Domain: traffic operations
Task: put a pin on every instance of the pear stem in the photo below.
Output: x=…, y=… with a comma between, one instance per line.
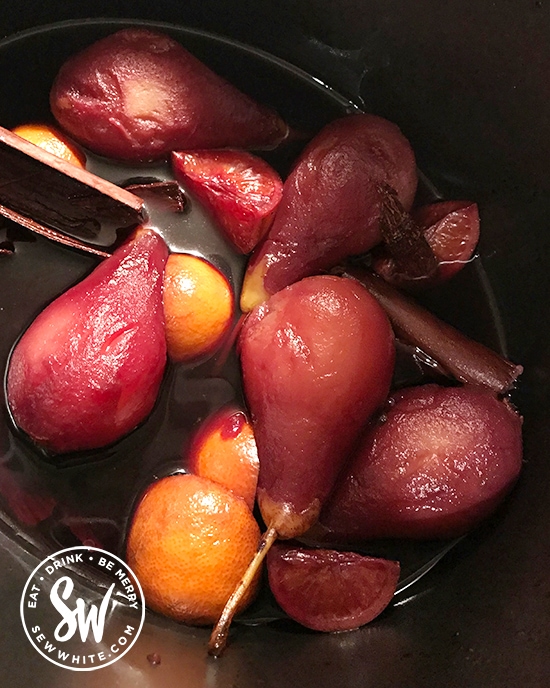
x=218, y=639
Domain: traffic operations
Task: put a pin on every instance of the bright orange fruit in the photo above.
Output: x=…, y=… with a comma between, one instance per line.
x=224, y=450
x=53, y=141
x=189, y=543
x=198, y=307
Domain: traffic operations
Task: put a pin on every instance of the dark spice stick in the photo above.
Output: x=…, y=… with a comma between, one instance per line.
x=404, y=239
x=463, y=358
x=53, y=197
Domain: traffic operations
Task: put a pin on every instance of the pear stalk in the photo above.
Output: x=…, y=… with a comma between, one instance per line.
x=218, y=639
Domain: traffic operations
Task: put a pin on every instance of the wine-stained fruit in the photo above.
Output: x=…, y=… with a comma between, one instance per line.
x=438, y=461
x=333, y=203
x=88, y=369
x=317, y=360
x=240, y=190
x=138, y=95
x=326, y=590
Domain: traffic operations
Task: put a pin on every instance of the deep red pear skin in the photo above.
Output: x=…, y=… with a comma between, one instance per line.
x=327, y=590
x=137, y=94
x=332, y=202
x=317, y=360
x=88, y=369
x=240, y=190
x=441, y=461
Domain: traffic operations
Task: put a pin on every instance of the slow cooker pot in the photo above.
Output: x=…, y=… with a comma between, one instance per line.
x=467, y=83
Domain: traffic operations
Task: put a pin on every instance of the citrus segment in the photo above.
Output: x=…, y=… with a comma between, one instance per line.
x=326, y=590
x=52, y=140
x=241, y=191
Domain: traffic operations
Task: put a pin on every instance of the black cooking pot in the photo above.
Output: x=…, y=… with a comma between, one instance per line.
x=467, y=83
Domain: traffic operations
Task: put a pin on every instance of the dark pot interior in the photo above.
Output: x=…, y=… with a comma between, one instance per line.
x=467, y=84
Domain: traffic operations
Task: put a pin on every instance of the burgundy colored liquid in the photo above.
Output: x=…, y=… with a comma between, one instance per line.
x=91, y=500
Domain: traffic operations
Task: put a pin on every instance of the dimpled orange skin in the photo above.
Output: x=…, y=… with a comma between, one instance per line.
x=224, y=450
x=198, y=307
x=189, y=544
x=52, y=140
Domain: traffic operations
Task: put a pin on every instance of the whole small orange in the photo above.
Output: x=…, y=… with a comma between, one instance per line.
x=50, y=139
x=198, y=307
x=224, y=450
x=189, y=543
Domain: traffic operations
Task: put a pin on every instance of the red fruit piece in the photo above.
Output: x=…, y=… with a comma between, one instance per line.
x=326, y=590
x=439, y=461
x=452, y=231
x=137, y=95
x=317, y=361
x=240, y=190
x=332, y=203
x=88, y=369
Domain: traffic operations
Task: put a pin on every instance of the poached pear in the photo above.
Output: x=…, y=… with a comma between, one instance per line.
x=138, y=94
x=333, y=203
x=439, y=461
x=317, y=360
x=89, y=367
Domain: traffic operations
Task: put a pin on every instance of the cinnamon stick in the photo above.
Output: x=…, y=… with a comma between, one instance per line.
x=53, y=197
x=463, y=358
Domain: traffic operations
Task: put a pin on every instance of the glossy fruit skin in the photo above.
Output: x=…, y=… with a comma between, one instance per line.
x=52, y=140
x=317, y=360
x=440, y=460
x=240, y=190
x=224, y=450
x=189, y=542
x=198, y=307
x=327, y=590
x=332, y=202
x=88, y=369
x=138, y=94
x=452, y=230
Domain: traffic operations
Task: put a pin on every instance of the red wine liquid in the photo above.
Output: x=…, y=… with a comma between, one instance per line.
x=57, y=502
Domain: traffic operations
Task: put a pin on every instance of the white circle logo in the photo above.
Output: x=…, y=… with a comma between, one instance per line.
x=73, y=625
